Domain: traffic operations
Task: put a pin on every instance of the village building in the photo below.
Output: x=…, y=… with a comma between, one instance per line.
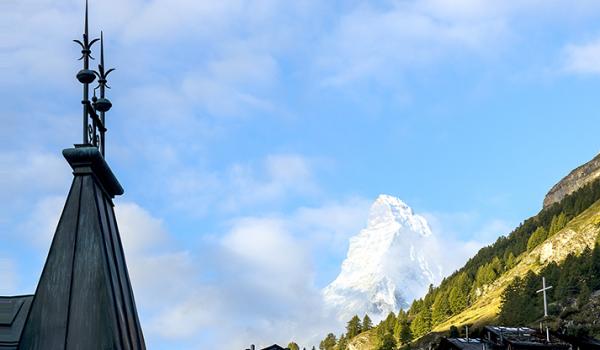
x=275, y=347
x=272, y=347
x=520, y=338
x=509, y=338
x=461, y=344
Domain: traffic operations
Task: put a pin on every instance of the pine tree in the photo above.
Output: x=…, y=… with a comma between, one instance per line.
x=388, y=343
x=594, y=268
x=405, y=333
x=441, y=308
x=328, y=343
x=510, y=261
x=558, y=223
x=421, y=324
x=367, y=324
x=459, y=294
x=537, y=237
x=389, y=323
x=353, y=328
x=512, y=303
x=342, y=343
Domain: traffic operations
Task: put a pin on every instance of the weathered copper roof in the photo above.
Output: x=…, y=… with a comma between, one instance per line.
x=84, y=299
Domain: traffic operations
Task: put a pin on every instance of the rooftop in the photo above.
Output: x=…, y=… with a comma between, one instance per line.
x=13, y=312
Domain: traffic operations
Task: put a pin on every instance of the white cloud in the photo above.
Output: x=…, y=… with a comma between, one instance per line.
x=273, y=179
x=332, y=224
x=41, y=224
x=376, y=43
x=583, y=59
x=256, y=280
x=279, y=176
x=463, y=234
x=24, y=173
x=30, y=182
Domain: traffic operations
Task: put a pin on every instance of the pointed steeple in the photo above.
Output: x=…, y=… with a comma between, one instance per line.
x=84, y=299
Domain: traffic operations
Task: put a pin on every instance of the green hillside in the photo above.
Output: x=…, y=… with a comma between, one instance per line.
x=560, y=242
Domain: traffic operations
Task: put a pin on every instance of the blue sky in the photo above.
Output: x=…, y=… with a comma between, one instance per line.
x=251, y=137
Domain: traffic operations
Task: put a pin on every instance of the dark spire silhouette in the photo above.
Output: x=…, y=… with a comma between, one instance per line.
x=84, y=299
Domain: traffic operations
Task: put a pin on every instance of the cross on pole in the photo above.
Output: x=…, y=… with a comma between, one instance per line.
x=543, y=290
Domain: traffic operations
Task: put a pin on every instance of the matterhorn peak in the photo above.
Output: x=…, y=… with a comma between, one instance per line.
x=388, y=210
x=387, y=266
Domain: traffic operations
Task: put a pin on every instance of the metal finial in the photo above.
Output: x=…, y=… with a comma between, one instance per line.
x=102, y=48
x=86, y=32
x=102, y=104
x=87, y=76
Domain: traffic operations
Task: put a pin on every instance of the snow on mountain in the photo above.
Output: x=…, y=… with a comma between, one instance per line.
x=387, y=265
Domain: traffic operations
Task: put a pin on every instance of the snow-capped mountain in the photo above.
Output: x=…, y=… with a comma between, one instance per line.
x=387, y=265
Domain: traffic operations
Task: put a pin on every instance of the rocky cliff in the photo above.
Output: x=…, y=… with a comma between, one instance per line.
x=576, y=179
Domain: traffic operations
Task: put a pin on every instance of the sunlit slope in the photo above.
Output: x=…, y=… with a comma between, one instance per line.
x=364, y=341
x=579, y=234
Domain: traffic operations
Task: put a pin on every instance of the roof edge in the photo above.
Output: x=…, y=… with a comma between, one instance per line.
x=88, y=159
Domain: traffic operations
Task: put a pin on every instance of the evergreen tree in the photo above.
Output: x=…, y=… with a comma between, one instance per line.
x=328, y=343
x=367, y=324
x=536, y=238
x=405, y=333
x=342, y=343
x=584, y=295
x=520, y=303
x=459, y=294
x=421, y=324
x=388, y=343
x=293, y=346
x=510, y=261
x=441, y=308
x=353, y=328
x=558, y=223
x=594, y=268
x=568, y=282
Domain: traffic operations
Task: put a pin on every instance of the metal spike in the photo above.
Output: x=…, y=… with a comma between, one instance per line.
x=86, y=18
x=102, y=48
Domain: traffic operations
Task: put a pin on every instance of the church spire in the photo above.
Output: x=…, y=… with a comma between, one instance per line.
x=84, y=299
